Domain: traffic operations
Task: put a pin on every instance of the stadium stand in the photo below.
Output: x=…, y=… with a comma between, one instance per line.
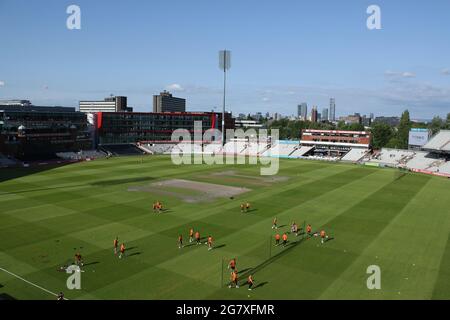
x=422, y=161
x=281, y=149
x=444, y=168
x=440, y=142
x=300, y=151
x=355, y=155
x=7, y=161
x=234, y=147
x=157, y=148
x=121, y=149
x=255, y=148
x=81, y=155
x=393, y=157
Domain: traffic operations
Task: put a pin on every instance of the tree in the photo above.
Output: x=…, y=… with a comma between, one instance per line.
x=436, y=124
x=403, y=131
x=382, y=133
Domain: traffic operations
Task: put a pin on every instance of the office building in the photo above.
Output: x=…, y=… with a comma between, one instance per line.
x=332, y=116
x=324, y=115
x=302, y=111
x=110, y=104
x=165, y=102
x=314, y=114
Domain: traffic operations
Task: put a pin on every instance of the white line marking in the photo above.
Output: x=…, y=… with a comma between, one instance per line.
x=29, y=282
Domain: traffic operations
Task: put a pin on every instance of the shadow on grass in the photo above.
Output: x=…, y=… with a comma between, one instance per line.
x=105, y=183
x=244, y=270
x=18, y=172
x=260, y=285
x=288, y=248
x=134, y=254
x=219, y=246
x=91, y=263
x=5, y=296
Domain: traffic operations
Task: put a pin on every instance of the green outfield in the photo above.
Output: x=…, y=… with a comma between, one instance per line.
x=397, y=221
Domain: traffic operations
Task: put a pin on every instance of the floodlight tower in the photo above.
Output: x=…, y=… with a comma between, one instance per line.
x=224, y=64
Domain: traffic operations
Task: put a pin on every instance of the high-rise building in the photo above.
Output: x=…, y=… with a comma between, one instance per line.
x=302, y=111
x=165, y=102
x=324, y=114
x=332, y=116
x=110, y=104
x=314, y=114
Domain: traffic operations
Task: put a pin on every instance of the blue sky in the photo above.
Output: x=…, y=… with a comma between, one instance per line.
x=283, y=53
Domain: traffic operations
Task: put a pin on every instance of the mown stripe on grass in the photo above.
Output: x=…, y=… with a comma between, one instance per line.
x=442, y=286
x=361, y=224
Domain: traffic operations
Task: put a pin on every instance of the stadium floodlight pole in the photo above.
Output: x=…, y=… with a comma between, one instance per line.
x=224, y=64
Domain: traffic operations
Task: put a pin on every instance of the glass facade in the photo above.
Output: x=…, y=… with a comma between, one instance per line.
x=121, y=128
x=40, y=134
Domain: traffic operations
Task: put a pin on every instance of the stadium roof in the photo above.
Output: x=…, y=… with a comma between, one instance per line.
x=440, y=142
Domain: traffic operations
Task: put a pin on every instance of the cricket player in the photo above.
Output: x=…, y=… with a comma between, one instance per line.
x=210, y=243
x=294, y=228
x=285, y=239
x=122, y=251
x=309, y=230
x=116, y=244
x=78, y=259
x=191, y=235
x=234, y=279
x=180, y=241
x=323, y=236
x=250, y=282
x=277, y=239
x=197, y=237
x=232, y=264
x=274, y=224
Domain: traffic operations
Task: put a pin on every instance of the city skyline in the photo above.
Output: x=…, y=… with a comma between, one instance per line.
x=139, y=55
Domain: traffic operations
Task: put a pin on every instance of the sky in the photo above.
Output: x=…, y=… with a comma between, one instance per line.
x=283, y=53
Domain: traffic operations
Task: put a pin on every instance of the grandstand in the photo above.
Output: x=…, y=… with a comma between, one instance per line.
x=440, y=143
x=301, y=151
x=332, y=144
x=233, y=147
x=392, y=157
x=6, y=161
x=444, y=168
x=81, y=155
x=423, y=161
x=281, y=149
x=355, y=155
x=121, y=149
x=157, y=148
x=255, y=148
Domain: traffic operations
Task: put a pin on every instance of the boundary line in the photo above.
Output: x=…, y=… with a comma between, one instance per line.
x=29, y=282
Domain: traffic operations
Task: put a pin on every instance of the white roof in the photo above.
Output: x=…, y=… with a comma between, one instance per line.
x=440, y=141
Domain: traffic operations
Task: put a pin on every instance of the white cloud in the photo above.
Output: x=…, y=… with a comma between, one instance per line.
x=265, y=99
x=445, y=72
x=2, y=83
x=408, y=75
x=174, y=87
x=397, y=74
